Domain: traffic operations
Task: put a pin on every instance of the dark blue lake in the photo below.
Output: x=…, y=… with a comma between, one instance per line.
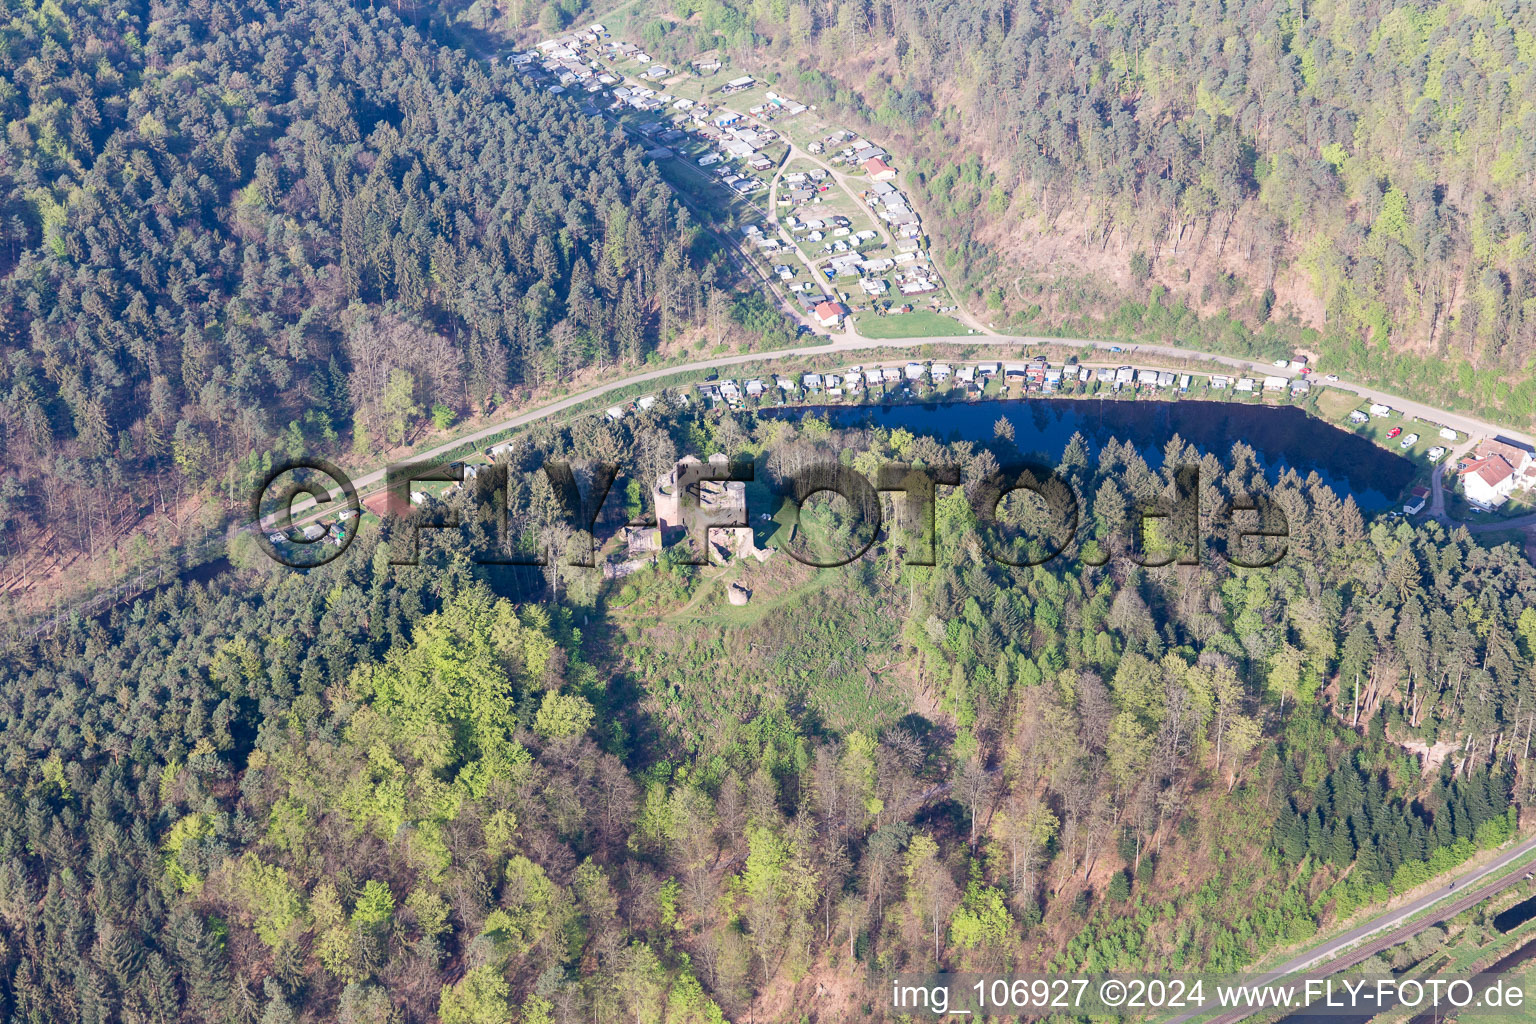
x=1281, y=436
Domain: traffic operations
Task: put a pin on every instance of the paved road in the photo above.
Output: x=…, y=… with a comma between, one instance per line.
x=1326, y=958
x=1456, y=421
x=1437, y=477
x=1011, y=344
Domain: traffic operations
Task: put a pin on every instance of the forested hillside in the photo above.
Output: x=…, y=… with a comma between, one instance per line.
x=234, y=230
x=1364, y=169
x=391, y=793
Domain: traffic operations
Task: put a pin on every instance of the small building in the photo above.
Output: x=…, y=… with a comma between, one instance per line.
x=915, y=371
x=1488, y=481
x=1273, y=383
x=1415, y=503
x=1518, y=456
x=828, y=314
x=1244, y=384
x=1184, y=382
x=878, y=169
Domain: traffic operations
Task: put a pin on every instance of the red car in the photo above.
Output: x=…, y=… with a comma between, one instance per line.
x=1394, y=431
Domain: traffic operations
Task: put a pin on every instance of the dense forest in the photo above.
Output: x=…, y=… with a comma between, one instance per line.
x=1362, y=169
x=471, y=793
x=235, y=231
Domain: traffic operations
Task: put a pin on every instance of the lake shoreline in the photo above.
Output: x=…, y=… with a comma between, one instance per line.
x=1282, y=436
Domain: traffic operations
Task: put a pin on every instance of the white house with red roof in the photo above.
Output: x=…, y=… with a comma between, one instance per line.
x=1496, y=469
x=829, y=313
x=1488, y=480
x=878, y=169
x=1519, y=457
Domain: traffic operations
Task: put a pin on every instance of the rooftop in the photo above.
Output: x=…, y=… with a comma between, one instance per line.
x=1493, y=470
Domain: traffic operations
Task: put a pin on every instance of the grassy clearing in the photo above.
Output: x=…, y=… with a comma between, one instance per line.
x=917, y=324
x=1497, y=537
x=1336, y=405
x=1378, y=427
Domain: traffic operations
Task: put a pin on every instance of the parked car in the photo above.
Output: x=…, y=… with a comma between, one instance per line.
x=1332, y=378
x=1281, y=364
x=1394, y=432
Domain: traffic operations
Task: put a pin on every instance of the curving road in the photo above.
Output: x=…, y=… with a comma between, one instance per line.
x=850, y=342
x=1392, y=922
